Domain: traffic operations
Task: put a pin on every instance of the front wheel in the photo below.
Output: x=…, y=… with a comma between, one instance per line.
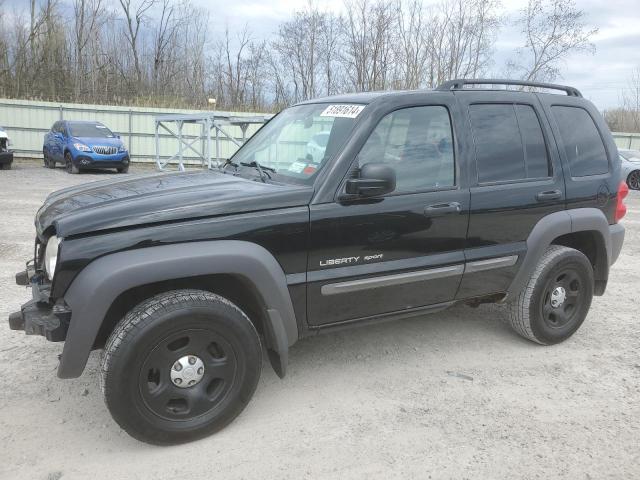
x=179, y=366
x=69, y=166
x=123, y=169
x=48, y=161
x=555, y=302
x=633, y=180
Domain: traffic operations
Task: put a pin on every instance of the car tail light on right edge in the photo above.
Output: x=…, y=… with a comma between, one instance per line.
x=621, y=208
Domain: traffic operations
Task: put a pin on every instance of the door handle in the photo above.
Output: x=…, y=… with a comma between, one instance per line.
x=438, y=209
x=549, y=195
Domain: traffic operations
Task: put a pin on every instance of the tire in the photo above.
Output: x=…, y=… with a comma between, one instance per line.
x=533, y=314
x=141, y=358
x=48, y=162
x=123, y=169
x=633, y=180
x=69, y=165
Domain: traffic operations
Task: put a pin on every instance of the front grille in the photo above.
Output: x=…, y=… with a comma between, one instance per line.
x=105, y=150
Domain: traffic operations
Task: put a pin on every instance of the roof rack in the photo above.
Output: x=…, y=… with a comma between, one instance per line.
x=459, y=83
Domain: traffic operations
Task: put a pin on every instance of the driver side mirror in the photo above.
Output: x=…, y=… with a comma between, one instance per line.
x=375, y=179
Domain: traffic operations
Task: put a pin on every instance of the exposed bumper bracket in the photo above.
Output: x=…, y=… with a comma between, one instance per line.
x=38, y=319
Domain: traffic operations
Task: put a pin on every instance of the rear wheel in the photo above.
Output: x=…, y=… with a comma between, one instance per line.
x=557, y=298
x=180, y=366
x=633, y=180
x=69, y=165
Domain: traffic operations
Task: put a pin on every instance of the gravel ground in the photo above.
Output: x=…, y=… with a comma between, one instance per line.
x=452, y=395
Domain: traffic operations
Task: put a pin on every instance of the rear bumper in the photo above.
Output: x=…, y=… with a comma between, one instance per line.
x=38, y=316
x=617, y=239
x=6, y=158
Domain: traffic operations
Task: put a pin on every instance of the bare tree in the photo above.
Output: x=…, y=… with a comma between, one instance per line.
x=461, y=35
x=330, y=30
x=135, y=13
x=88, y=19
x=298, y=43
x=553, y=29
x=368, y=51
x=170, y=57
x=412, y=35
x=235, y=80
x=631, y=104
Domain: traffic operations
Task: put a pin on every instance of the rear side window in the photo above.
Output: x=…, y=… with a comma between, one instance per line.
x=581, y=141
x=509, y=143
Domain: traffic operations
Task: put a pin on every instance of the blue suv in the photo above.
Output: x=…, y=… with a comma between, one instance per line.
x=81, y=145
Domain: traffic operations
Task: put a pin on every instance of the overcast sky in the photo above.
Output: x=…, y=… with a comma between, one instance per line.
x=600, y=77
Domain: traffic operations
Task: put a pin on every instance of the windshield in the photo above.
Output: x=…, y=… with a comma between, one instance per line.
x=300, y=140
x=89, y=130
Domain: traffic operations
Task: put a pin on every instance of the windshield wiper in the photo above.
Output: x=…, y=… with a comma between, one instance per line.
x=227, y=163
x=262, y=169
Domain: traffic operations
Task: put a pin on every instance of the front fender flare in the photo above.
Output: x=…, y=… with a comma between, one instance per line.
x=92, y=292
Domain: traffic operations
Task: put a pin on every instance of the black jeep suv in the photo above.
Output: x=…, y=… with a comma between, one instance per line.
x=420, y=200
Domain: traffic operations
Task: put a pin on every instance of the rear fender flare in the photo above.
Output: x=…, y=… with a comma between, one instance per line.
x=553, y=226
x=92, y=292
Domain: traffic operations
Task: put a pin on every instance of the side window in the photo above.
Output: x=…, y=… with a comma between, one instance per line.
x=581, y=141
x=509, y=142
x=535, y=152
x=417, y=143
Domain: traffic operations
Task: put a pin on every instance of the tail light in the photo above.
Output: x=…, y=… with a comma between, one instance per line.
x=621, y=208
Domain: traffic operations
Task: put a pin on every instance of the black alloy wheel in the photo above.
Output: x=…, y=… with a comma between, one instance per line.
x=633, y=180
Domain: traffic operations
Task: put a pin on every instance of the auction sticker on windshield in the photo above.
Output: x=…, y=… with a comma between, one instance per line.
x=297, y=167
x=343, y=111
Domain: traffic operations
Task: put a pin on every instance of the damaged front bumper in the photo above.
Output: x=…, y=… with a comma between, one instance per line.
x=39, y=316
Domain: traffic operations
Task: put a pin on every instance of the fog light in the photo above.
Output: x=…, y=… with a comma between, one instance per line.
x=84, y=161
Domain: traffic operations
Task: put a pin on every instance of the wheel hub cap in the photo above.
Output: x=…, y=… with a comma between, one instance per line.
x=558, y=296
x=187, y=371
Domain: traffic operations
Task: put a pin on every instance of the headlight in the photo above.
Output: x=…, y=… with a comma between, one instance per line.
x=51, y=256
x=122, y=148
x=81, y=147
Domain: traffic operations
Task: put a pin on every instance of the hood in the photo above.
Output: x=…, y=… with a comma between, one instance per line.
x=163, y=197
x=90, y=141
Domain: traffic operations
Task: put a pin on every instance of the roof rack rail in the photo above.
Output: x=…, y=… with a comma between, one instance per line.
x=459, y=83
